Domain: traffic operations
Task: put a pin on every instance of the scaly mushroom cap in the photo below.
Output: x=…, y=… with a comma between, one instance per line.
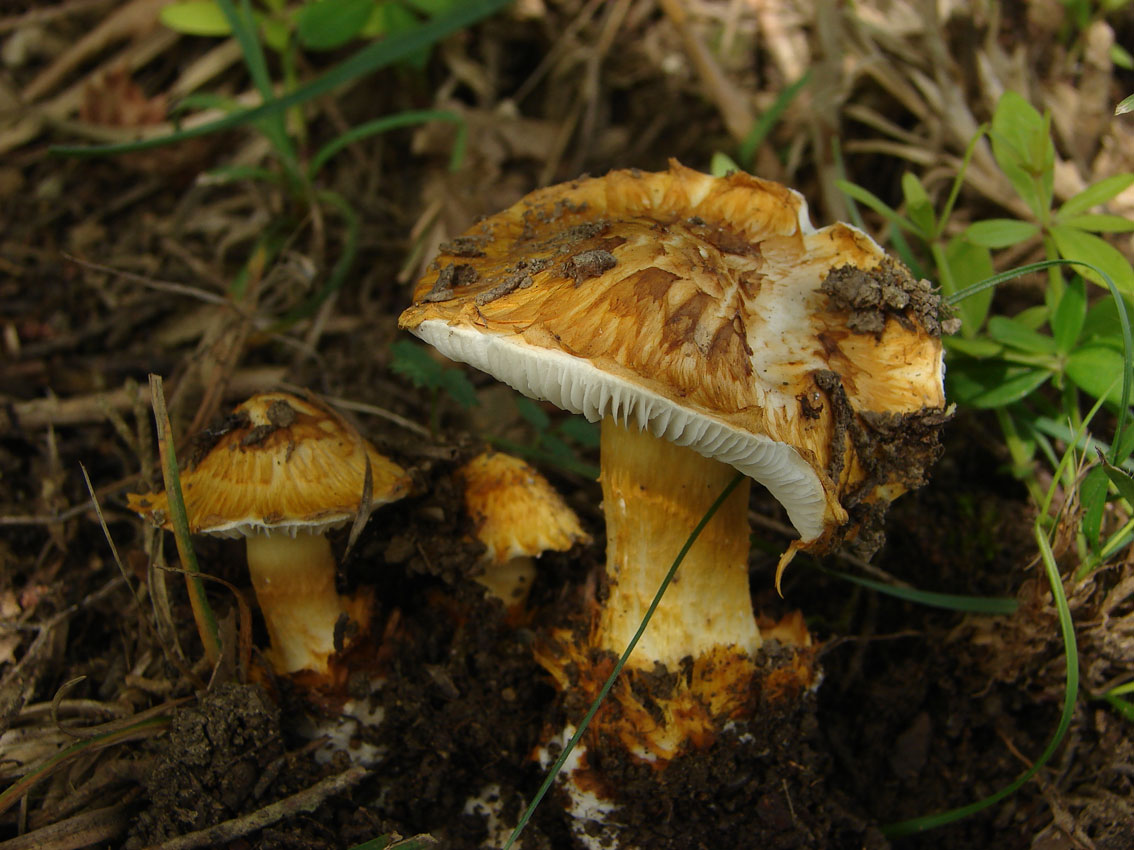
x=515, y=510
x=709, y=311
x=282, y=463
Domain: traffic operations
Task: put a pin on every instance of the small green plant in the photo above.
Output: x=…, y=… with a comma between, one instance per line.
x=1075, y=343
x=413, y=362
x=557, y=443
x=1115, y=696
x=393, y=32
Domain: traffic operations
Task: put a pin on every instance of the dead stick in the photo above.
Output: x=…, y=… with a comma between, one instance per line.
x=305, y=801
x=83, y=830
x=79, y=410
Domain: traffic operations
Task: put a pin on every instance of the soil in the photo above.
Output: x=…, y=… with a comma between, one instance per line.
x=115, y=268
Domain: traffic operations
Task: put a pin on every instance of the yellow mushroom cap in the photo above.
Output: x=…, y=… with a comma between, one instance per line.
x=515, y=510
x=283, y=464
x=710, y=312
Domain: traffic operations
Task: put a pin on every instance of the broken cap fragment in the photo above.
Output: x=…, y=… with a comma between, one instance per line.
x=282, y=472
x=518, y=516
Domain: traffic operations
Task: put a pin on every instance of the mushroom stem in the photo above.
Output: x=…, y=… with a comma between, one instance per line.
x=294, y=579
x=509, y=580
x=654, y=494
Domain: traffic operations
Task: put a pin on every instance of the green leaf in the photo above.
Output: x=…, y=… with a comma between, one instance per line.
x=1096, y=368
x=1000, y=232
x=1103, y=323
x=433, y=7
x=978, y=347
x=918, y=206
x=456, y=383
x=328, y=24
x=390, y=19
x=276, y=33
x=533, y=414
x=1121, y=57
x=1034, y=317
x=1096, y=194
x=1018, y=335
x=1070, y=313
x=1125, y=105
x=969, y=264
x=1075, y=244
x=722, y=164
x=1092, y=496
x=413, y=361
x=869, y=199
x=1098, y=222
x=1021, y=144
x=196, y=17
x=1121, y=480
x=992, y=383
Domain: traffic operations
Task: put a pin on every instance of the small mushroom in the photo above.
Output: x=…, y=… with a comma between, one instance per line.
x=284, y=471
x=712, y=329
x=517, y=516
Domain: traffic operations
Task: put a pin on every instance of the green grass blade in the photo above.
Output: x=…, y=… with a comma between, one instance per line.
x=244, y=31
x=931, y=599
x=143, y=728
x=393, y=122
x=202, y=611
x=367, y=60
x=1071, y=652
x=586, y=721
x=764, y=124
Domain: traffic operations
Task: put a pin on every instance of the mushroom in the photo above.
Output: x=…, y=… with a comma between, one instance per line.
x=712, y=330
x=283, y=471
x=517, y=516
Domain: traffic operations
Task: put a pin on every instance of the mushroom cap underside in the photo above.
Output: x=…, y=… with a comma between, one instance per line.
x=281, y=464
x=709, y=311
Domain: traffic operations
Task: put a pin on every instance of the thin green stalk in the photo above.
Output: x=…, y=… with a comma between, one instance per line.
x=946, y=601
x=586, y=721
x=198, y=600
x=141, y=729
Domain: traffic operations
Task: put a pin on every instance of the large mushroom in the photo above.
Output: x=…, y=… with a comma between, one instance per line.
x=284, y=471
x=711, y=329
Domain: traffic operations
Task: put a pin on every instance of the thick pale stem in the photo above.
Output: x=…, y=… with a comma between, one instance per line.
x=294, y=579
x=654, y=494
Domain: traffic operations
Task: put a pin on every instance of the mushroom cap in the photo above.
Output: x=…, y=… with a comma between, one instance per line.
x=281, y=464
x=710, y=312
x=516, y=511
